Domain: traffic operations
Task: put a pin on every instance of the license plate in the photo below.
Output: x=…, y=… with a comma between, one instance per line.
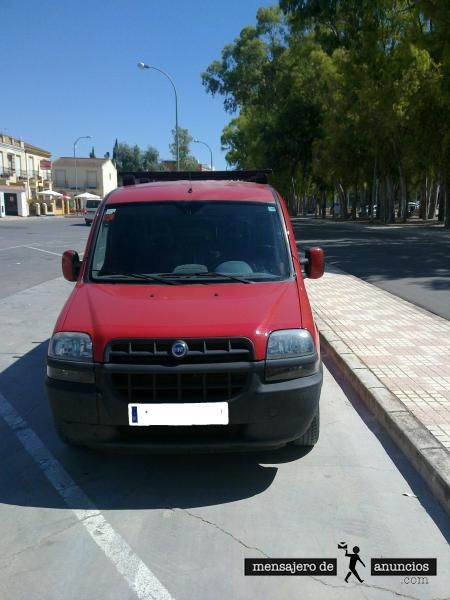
x=201, y=413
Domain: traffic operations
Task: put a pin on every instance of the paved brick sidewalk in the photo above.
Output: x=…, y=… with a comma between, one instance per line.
x=406, y=348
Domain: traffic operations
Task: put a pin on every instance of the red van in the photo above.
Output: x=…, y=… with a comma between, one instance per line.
x=189, y=326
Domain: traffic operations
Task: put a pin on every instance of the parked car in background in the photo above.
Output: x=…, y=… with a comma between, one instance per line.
x=189, y=326
x=90, y=210
x=412, y=207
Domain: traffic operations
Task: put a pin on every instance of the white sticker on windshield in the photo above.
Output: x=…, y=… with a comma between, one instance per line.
x=271, y=208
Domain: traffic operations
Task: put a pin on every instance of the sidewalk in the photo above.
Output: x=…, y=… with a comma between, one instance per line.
x=398, y=358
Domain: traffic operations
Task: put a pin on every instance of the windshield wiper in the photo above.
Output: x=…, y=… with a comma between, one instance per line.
x=201, y=274
x=143, y=276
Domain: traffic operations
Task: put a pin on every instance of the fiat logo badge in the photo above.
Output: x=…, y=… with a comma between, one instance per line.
x=179, y=349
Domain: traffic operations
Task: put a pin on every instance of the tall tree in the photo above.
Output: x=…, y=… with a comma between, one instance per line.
x=187, y=161
x=343, y=97
x=132, y=158
x=150, y=160
x=127, y=158
x=115, y=150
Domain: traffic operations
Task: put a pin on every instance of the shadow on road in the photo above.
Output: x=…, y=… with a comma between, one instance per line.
x=385, y=253
x=410, y=262
x=113, y=480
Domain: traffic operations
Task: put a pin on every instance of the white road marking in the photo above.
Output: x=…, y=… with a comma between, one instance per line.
x=34, y=248
x=40, y=250
x=10, y=248
x=136, y=573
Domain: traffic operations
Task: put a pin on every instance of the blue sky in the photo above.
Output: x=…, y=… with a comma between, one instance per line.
x=70, y=70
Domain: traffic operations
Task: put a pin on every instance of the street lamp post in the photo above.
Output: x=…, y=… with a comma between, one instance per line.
x=209, y=147
x=142, y=65
x=82, y=137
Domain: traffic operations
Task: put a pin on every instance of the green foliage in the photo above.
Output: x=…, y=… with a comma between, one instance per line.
x=340, y=96
x=150, y=159
x=92, y=153
x=132, y=158
x=115, y=149
x=187, y=161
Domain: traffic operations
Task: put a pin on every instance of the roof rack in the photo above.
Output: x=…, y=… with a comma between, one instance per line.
x=133, y=177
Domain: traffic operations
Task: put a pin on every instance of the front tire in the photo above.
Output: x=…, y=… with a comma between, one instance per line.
x=311, y=435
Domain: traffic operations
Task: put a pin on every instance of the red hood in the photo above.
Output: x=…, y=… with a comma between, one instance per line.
x=108, y=311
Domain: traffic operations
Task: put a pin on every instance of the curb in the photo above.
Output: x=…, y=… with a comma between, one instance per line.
x=430, y=459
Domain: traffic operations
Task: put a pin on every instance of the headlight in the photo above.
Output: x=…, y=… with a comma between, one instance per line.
x=71, y=346
x=289, y=343
x=290, y=354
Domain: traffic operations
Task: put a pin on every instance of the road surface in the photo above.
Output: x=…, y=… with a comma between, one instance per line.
x=412, y=262
x=79, y=524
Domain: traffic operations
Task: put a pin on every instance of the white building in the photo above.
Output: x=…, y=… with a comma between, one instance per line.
x=25, y=170
x=72, y=176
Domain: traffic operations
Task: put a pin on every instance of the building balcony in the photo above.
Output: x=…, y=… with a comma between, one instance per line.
x=6, y=172
x=18, y=174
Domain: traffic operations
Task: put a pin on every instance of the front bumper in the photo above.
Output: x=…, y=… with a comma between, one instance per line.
x=263, y=415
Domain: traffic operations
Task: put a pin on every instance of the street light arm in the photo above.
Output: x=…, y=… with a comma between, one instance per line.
x=142, y=65
x=209, y=148
x=82, y=137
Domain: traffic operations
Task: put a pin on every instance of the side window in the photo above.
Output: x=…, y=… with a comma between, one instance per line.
x=100, y=247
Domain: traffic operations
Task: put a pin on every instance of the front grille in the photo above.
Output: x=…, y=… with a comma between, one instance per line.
x=194, y=385
x=158, y=351
x=178, y=387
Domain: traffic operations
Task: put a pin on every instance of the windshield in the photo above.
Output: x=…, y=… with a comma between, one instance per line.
x=191, y=242
x=92, y=203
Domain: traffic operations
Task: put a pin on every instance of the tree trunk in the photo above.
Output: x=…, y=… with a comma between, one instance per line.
x=425, y=199
x=342, y=200
x=446, y=194
x=324, y=205
x=362, y=198
x=391, y=200
x=390, y=217
x=353, y=201
x=441, y=212
x=373, y=198
x=434, y=196
x=316, y=207
x=381, y=207
x=345, y=203
x=304, y=204
x=403, y=213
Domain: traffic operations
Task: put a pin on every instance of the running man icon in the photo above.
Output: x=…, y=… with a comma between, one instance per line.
x=354, y=558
